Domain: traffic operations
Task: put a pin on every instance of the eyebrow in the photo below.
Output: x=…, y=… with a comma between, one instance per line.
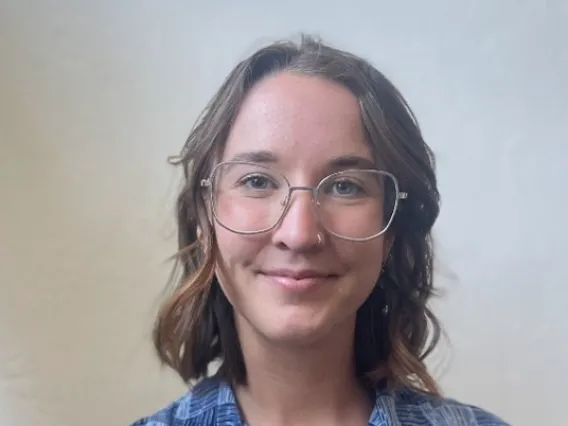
x=342, y=162
x=352, y=161
x=256, y=157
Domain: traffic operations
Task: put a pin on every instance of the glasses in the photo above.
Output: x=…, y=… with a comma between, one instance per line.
x=251, y=198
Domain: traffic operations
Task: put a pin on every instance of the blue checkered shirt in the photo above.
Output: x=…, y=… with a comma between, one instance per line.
x=212, y=403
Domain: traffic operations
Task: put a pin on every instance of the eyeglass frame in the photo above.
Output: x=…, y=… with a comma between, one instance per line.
x=399, y=195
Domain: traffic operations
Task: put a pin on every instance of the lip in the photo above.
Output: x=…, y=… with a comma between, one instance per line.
x=298, y=280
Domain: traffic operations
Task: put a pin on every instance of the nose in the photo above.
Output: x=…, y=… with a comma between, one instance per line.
x=298, y=230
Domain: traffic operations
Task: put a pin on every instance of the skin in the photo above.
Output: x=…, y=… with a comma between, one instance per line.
x=293, y=340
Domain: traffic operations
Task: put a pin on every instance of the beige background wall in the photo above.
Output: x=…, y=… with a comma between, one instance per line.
x=95, y=95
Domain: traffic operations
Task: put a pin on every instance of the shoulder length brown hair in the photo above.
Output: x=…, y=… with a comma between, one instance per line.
x=395, y=329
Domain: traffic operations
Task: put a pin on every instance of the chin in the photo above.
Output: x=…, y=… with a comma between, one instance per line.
x=293, y=338
x=296, y=329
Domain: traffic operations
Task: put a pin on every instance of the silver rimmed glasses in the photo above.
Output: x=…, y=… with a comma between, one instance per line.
x=250, y=198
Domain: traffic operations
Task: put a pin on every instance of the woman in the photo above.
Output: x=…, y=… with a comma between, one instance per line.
x=306, y=254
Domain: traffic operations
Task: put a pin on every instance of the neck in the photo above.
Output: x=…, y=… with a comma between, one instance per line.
x=313, y=384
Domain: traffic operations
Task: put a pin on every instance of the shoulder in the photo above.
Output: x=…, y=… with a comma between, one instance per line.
x=206, y=401
x=410, y=407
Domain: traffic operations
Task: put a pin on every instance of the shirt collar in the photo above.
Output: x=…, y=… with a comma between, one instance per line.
x=228, y=410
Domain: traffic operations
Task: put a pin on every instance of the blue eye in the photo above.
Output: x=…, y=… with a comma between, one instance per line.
x=345, y=188
x=256, y=182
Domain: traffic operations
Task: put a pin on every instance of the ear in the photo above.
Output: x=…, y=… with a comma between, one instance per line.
x=207, y=209
x=204, y=231
x=203, y=239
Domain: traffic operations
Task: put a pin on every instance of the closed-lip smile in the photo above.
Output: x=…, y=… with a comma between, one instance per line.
x=297, y=279
x=297, y=274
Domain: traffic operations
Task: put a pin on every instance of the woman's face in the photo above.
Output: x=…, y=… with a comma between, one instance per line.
x=283, y=285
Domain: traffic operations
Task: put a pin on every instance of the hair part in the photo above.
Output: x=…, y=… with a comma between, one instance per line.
x=395, y=329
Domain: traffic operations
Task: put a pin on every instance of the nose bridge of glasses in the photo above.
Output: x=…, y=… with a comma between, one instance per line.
x=310, y=189
x=288, y=203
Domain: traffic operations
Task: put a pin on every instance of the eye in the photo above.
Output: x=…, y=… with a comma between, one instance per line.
x=345, y=188
x=257, y=182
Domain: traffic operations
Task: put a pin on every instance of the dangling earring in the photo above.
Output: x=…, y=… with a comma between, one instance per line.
x=385, y=310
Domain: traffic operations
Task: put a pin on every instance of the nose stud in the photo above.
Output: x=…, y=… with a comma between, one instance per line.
x=320, y=239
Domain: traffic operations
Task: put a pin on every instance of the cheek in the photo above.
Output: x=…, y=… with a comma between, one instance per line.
x=233, y=248
x=365, y=260
x=235, y=253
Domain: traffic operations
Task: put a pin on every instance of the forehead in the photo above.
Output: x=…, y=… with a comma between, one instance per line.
x=300, y=119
